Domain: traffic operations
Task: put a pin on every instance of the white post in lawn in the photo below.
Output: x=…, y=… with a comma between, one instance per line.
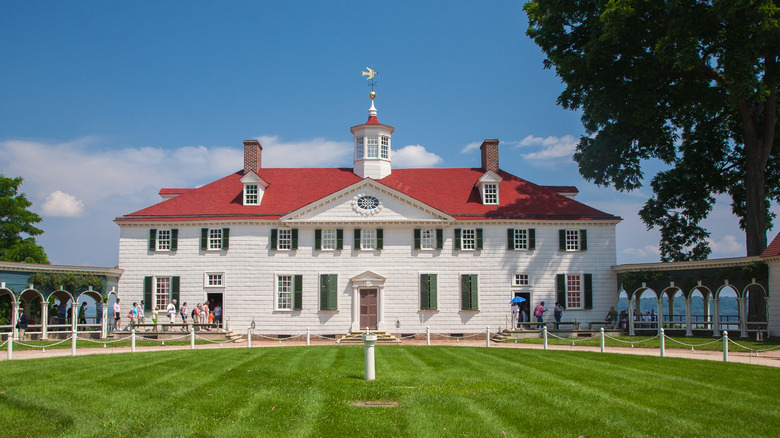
x=132, y=341
x=192, y=338
x=663, y=343
x=73, y=337
x=369, y=339
x=427, y=335
x=544, y=335
x=10, y=341
x=308, y=339
x=725, y=346
x=602, y=339
x=249, y=337
x=487, y=336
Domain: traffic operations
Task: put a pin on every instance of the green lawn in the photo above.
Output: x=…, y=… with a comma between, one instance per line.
x=440, y=391
x=679, y=342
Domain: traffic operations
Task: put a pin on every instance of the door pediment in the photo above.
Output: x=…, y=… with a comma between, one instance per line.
x=368, y=279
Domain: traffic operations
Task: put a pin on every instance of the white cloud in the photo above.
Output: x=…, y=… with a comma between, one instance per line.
x=551, y=148
x=648, y=251
x=471, y=146
x=62, y=204
x=727, y=246
x=415, y=156
x=316, y=152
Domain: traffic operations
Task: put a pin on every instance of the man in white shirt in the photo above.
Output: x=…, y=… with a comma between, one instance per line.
x=171, y=309
x=117, y=315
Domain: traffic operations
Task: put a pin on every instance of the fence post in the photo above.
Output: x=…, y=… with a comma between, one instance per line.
x=132, y=341
x=663, y=343
x=544, y=335
x=487, y=337
x=73, y=337
x=192, y=338
x=725, y=346
x=308, y=333
x=427, y=335
x=602, y=339
x=249, y=337
x=10, y=340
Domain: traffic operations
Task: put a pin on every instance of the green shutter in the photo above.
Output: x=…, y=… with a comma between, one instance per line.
x=425, y=293
x=562, y=240
x=318, y=239
x=457, y=238
x=465, y=292
x=479, y=238
x=298, y=292
x=332, y=292
x=339, y=239
x=510, y=239
x=531, y=238
x=357, y=239
x=429, y=289
x=439, y=238
x=175, y=289
x=323, y=292
x=273, y=239
x=204, y=238
x=417, y=244
x=147, y=294
x=583, y=240
x=474, y=292
x=174, y=239
x=561, y=288
x=379, y=238
x=225, y=238
x=294, y=233
x=588, y=291
x=152, y=239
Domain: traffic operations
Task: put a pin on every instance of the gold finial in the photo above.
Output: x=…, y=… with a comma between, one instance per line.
x=372, y=94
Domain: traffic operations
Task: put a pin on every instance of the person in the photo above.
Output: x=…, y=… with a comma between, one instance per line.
x=117, y=315
x=83, y=313
x=524, y=312
x=612, y=317
x=196, y=314
x=21, y=324
x=61, y=310
x=539, y=314
x=653, y=319
x=558, y=314
x=515, y=314
x=183, y=313
x=155, y=314
x=134, y=314
x=55, y=310
x=98, y=313
x=211, y=320
x=171, y=309
x=141, y=316
x=217, y=314
x=623, y=319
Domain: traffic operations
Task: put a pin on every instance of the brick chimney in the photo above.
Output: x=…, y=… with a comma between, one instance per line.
x=489, y=150
x=253, y=156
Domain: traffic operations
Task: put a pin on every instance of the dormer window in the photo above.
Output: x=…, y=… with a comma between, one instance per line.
x=385, y=147
x=359, y=148
x=488, y=188
x=372, y=150
x=254, y=187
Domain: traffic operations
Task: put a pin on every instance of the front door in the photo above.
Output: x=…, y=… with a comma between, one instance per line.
x=368, y=308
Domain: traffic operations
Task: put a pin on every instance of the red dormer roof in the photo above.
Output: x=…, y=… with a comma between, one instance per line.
x=773, y=249
x=372, y=120
x=452, y=191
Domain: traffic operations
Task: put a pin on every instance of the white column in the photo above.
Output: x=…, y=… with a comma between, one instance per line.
x=355, y=309
x=766, y=301
x=742, y=311
x=44, y=319
x=369, y=340
x=688, y=325
x=380, y=309
x=631, y=317
x=74, y=311
x=715, y=317
x=659, y=314
x=103, y=320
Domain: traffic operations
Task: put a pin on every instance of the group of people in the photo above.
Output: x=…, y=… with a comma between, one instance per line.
x=520, y=314
x=203, y=313
x=59, y=315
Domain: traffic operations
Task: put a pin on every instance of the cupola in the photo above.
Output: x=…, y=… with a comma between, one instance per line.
x=372, y=146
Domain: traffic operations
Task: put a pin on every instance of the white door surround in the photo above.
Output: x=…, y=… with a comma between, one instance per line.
x=367, y=279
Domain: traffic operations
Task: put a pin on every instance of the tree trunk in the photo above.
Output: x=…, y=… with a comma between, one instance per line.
x=755, y=200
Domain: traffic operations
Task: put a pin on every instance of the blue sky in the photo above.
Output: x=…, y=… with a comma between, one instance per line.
x=103, y=103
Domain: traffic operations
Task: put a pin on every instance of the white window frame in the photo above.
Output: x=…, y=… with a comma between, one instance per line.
x=521, y=239
x=215, y=239
x=428, y=239
x=284, y=239
x=328, y=239
x=490, y=193
x=572, y=240
x=359, y=148
x=372, y=147
x=284, y=292
x=161, y=290
x=214, y=279
x=251, y=194
x=384, y=151
x=576, y=294
x=163, y=240
x=468, y=243
x=367, y=239
x=521, y=280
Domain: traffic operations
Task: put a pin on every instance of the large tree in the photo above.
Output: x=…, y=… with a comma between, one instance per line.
x=691, y=83
x=16, y=221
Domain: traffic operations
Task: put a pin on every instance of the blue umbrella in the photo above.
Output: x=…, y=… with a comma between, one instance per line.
x=517, y=300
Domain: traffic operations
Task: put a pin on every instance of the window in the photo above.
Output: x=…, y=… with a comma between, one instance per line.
x=284, y=239
x=359, y=148
x=385, y=147
x=368, y=239
x=159, y=291
x=214, y=280
x=428, y=238
x=573, y=240
x=371, y=147
x=490, y=195
x=468, y=239
x=428, y=287
x=468, y=290
x=163, y=240
x=575, y=291
x=250, y=194
x=521, y=280
x=328, y=292
x=329, y=239
x=521, y=238
x=289, y=292
x=213, y=239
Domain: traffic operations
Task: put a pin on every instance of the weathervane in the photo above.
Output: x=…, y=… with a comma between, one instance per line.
x=371, y=82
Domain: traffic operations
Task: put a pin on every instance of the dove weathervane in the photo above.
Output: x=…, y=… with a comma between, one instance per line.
x=370, y=72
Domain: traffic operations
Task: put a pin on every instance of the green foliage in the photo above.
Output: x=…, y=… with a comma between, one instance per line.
x=693, y=84
x=73, y=283
x=440, y=391
x=15, y=221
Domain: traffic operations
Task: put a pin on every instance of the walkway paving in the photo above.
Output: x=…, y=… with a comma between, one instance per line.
x=769, y=358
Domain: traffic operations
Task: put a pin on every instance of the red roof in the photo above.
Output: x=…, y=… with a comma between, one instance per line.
x=452, y=191
x=773, y=249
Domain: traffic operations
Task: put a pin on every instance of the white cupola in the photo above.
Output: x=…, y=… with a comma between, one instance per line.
x=372, y=146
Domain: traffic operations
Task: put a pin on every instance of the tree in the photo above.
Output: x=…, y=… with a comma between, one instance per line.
x=16, y=220
x=692, y=83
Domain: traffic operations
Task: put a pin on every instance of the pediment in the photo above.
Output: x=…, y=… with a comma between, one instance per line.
x=368, y=278
x=489, y=177
x=367, y=201
x=253, y=178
